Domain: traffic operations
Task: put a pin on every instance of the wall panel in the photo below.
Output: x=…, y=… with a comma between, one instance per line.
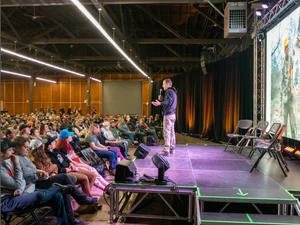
x=37, y=92
x=65, y=92
x=9, y=92
x=46, y=93
x=19, y=89
x=56, y=92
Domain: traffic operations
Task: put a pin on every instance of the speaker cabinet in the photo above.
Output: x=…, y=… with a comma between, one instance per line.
x=125, y=171
x=142, y=151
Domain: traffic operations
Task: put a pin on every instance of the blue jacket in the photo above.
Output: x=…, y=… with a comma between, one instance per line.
x=169, y=103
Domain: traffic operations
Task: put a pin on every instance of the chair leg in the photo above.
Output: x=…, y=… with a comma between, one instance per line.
x=227, y=144
x=35, y=218
x=280, y=156
x=6, y=218
x=258, y=160
x=280, y=164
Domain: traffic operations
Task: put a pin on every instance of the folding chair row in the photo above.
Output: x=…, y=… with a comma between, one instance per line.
x=273, y=147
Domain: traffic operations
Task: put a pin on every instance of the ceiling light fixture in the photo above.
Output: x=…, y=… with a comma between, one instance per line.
x=94, y=79
x=101, y=29
x=40, y=62
x=43, y=79
x=16, y=74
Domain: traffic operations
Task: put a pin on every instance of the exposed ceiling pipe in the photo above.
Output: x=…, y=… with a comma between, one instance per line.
x=212, y=5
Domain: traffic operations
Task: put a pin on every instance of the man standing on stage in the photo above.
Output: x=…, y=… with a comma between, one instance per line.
x=169, y=104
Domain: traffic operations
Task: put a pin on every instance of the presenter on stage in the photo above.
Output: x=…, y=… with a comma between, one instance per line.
x=169, y=104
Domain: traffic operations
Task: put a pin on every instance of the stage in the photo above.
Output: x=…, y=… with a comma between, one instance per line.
x=205, y=174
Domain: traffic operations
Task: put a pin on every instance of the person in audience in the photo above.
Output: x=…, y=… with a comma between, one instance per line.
x=63, y=164
x=24, y=130
x=100, y=150
x=61, y=111
x=146, y=130
x=52, y=132
x=86, y=124
x=106, y=143
x=10, y=133
x=44, y=130
x=18, y=198
x=122, y=126
x=78, y=130
x=35, y=133
x=110, y=137
x=100, y=182
x=47, y=173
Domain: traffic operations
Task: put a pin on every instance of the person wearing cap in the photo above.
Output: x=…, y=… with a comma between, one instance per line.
x=24, y=130
x=48, y=172
x=85, y=178
x=19, y=199
x=10, y=133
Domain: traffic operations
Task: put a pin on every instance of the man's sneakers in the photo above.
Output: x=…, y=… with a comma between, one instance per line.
x=65, y=189
x=167, y=153
x=164, y=153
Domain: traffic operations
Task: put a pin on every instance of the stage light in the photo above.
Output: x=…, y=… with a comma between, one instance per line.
x=94, y=79
x=104, y=33
x=162, y=165
x=297, y=154
x=16, y=74
x=258, y=13
x=43, y=79
x=264, y=6
x=142, y=151
x=261, y=36
x=40, y=62
x=126, y=169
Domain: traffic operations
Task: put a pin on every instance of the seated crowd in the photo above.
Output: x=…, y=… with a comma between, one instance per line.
x=41, y=163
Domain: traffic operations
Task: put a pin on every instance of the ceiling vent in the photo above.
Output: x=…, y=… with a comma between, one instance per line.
x=235, y=20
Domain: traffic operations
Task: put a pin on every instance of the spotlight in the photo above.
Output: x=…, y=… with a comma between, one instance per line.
x=260, y=36
x=258, y=13
x=162, y=165
x=264, y=6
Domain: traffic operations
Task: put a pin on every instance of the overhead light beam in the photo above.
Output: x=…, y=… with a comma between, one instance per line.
x=103, y=32
x=14, y=73
x=40, y=62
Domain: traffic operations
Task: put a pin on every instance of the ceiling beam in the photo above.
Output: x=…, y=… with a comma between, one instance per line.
x=209, y=17
x=9, y=3
x=149, y=59
x=12, y=38
x=144, y=41
x=170, y=29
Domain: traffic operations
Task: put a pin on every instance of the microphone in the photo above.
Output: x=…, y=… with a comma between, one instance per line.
x=160, y=91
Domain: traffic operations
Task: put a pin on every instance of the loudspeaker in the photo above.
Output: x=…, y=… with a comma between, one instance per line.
x=125, y=171
x=142, y=151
